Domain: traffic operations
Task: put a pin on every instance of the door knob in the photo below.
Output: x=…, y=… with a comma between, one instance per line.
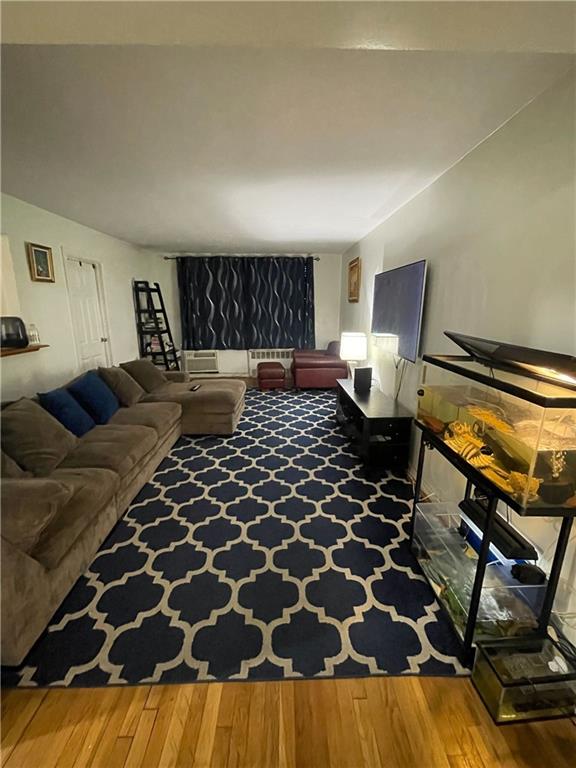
x=103, y=338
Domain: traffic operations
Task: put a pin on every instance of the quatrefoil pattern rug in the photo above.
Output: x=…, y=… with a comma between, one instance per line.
x=265, y=555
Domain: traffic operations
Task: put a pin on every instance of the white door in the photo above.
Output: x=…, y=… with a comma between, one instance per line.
x=87, y=314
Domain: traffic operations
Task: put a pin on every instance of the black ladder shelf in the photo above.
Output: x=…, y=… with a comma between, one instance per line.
x=152, y=323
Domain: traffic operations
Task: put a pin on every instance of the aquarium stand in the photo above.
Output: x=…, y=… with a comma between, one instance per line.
x=491, y=528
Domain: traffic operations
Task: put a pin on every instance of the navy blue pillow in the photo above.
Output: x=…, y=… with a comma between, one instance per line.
x=61, y=404
x=96, y=397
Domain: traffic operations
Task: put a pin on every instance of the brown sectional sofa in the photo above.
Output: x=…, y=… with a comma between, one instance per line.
x=53, y=524
x=213, y=409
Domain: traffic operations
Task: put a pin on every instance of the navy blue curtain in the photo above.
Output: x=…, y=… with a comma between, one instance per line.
x=246, y=302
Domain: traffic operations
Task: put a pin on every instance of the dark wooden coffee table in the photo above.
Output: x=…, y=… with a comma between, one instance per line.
x=378, y=425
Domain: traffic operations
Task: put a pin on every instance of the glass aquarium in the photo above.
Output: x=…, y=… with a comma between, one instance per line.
x=525, y=680
x=444, y=543
x=517, y=429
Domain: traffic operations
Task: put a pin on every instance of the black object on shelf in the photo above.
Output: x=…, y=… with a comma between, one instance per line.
x=13, y=333
x=506, y=539
x=154, y=336
x=362, y=379
x=527, y=573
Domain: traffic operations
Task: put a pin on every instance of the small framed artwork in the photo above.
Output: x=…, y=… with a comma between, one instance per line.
x=354, y=280
x=40, y=263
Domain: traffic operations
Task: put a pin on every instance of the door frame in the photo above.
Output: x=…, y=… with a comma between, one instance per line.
x=98, y=271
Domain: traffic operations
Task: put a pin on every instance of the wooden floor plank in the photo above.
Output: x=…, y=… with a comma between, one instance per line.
x=366, y=736
x=391, y=728
x=138, y=701
x=47, y=733
x=141, y=738
x=312, y=747
x=191, y=725
x=287, y=726
x=165, y=699
x=221, y=747
x=18, y=709
x=263, y=725
x=107, y=742
x=425, y=738
x=373, y=722
x=176, y=726
x=238, y=737
x=208, y=725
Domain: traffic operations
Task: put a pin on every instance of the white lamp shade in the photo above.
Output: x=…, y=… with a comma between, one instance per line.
x=353, y=346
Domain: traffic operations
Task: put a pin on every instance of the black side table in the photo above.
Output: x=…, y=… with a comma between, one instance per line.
x=378, y=426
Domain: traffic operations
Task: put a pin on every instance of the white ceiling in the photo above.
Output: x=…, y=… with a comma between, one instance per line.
x=249, y=149
x=462, y=25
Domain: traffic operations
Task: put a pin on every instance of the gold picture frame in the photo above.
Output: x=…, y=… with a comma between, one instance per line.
x=40, y=263
x=354, y=273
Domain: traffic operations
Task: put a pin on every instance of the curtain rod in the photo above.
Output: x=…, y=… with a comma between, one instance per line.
x=257, y=255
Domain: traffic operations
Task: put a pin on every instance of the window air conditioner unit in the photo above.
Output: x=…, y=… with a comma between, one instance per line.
x=200, y=360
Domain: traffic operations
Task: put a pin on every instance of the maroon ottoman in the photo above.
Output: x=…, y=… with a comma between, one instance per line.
x=271, y=376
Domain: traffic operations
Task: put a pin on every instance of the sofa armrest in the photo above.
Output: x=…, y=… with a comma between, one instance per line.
x=28, y=506
x=178, y=376
x=26, y=602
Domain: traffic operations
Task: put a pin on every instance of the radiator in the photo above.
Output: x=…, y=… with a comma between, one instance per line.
x=256, y=356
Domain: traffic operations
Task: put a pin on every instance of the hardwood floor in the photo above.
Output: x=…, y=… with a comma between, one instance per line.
x=386, y=722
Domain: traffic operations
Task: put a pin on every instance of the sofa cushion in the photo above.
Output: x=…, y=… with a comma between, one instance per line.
x=34, y=438
x=95, y=396
x=68, y=411
x=145, y=373
x=90, y=490
x=215, y=396
x=160, y=416
x=9, y=468
x=112, y=447
x=126, y=389
x=28, y=506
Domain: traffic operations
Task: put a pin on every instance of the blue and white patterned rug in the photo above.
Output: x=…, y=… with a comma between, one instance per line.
x=264, y=555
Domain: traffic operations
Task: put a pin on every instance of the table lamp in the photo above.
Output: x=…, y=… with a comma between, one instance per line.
x=353, y=349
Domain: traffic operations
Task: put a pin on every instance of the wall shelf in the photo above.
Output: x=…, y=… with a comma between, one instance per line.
x=10, y=351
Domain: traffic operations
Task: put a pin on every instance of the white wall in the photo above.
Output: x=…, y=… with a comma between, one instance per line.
x=498, y=231
x=328, y=290
x=46, y=304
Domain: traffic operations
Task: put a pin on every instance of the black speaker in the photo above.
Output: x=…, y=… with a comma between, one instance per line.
x=362, y=379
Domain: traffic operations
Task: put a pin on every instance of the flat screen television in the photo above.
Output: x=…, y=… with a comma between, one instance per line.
x=398, y=305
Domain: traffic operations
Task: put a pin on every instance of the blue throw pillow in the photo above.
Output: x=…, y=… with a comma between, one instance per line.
x=96, y=397
x=60, y=404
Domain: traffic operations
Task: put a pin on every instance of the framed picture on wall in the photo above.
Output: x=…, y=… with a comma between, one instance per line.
x=354, y=280
x=40, y=263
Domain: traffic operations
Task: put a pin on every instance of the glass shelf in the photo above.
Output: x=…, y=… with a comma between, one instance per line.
x=507, y=607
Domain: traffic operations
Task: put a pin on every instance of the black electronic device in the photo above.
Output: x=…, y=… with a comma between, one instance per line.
x=13, y=334
x=362, y=379
x=398, y=306
x=506, y=539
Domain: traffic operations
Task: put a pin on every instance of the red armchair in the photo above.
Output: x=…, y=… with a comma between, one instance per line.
x=318, y=368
